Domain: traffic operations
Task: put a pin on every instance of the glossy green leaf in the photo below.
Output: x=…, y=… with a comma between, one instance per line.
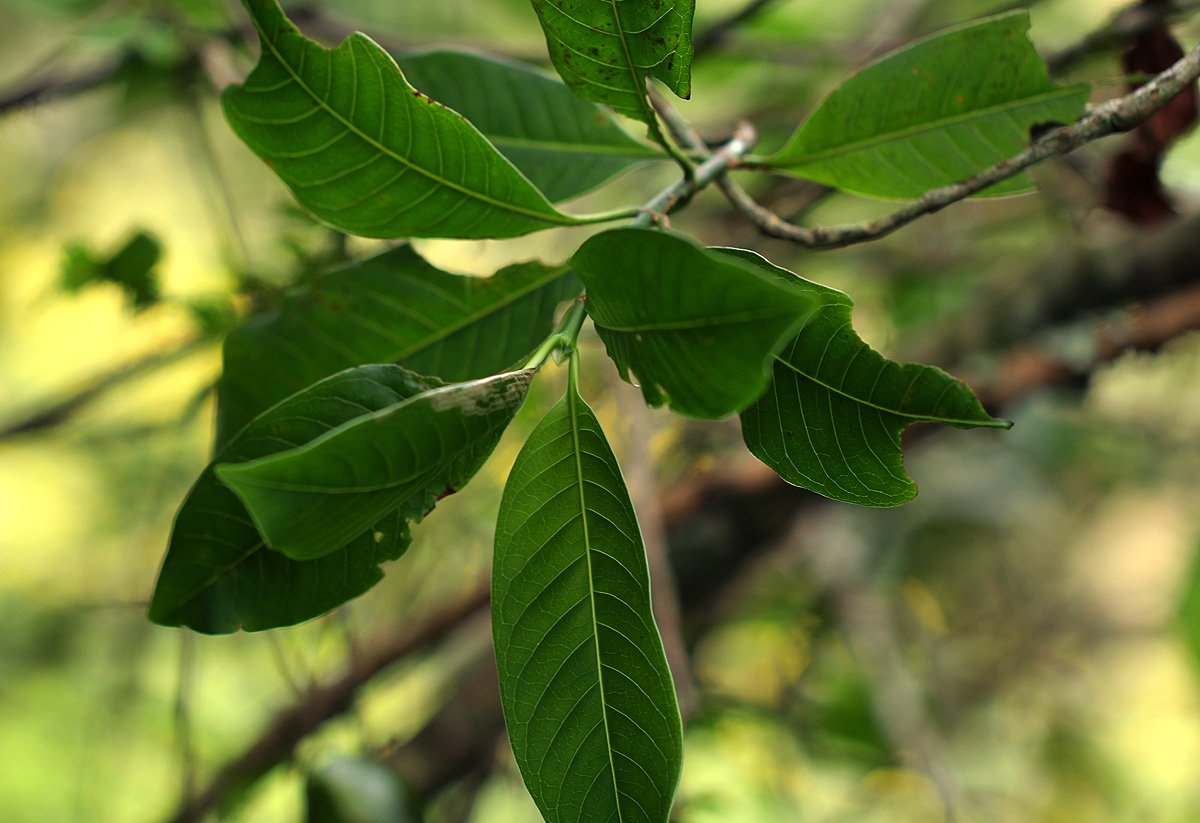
x=565, y=145
x=218, y=575
x=933, y=113
x=307, y=500
x=356, y=790
x=394, y=308
x=366, y=152
x=696, y=328
x=831, y=420
x=587, y=695
x=604, y=49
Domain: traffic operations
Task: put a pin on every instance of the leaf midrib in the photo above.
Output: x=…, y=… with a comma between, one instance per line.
x=552, y=217
x=573, y=400
x=448, y=331
x=911, y=131
x=950, y=421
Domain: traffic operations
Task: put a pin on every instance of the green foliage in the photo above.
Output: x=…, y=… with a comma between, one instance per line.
x=133, y=267
x=605, y=50
x=309, y=500
x=696, y=328
x=365, y=151
x=325, y=458
x=832, y=418
x=393, y=308
x=587, y=694
x=564, y=145
x=932, y=114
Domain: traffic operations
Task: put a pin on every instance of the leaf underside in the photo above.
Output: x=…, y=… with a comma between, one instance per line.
x=309, y=500
x=696, y=328
x=831, y=420
x=604, y=49
x=393, y=308
x=933, y=113
x=565, y=145
x=219, y=576
x=587, y=695
x=366, y=152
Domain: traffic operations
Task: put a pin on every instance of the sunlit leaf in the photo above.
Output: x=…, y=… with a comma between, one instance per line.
x=696, y=328
x=933, y=113
x=309, y=500
x=587, y=694
x=831, y=420
x=394, y=308
x=366, y=152
x=604, y=49
x=563, y=144
x=218, y=575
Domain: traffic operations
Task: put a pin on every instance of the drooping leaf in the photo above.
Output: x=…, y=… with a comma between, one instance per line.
x=587, y=695
x=604, y=49
x=393, y=308
x=356, y=790
x=565, y=145
x=831, y=420
x=308, y=500
x=219, y=576
x=696, y=328
x=933, y=113
x=366, y=152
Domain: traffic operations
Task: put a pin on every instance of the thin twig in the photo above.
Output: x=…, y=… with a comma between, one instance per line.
x=63, y=410
x=720, y=161
x=716, y=34
x=1115, y=116
x=320, y=704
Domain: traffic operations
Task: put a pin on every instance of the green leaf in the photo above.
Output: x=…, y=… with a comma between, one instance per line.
x=933, y=113
x=604, y=49
x=697, y=328
x=394, y=308
x=564, y=145
x=831, y=420
x=308, y=500
x=587, y=695
x=356, y=790
x=218, y=575
x=366, y=152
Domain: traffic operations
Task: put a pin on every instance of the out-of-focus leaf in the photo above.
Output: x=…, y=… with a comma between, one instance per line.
x=394, y=308
x=831, y=420
x=309, y=500
x=695, y=327
x=1189, y=608
x=218, y=574
x=366, y=152
x=132, y=267
x=605, y=50
x=565, y=145
x=356, y=790
x=587, y=694
x=933, y=113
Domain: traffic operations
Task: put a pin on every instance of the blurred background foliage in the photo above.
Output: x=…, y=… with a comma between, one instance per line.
x=1018, y=644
